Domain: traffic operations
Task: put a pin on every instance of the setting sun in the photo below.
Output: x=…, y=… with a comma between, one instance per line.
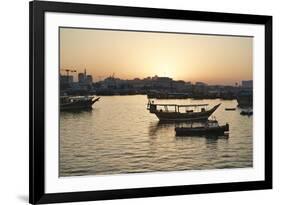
x=129, y=54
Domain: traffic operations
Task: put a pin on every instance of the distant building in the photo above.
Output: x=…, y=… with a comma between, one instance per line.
x=161, y=82
x=89, y=79
x=200, y=88
x=179, y=85
x=64, y=79
x=137, y=83
x=111, y=83
x=200, y=84
x=65, y=82
x=83, y=78
x=247, y=84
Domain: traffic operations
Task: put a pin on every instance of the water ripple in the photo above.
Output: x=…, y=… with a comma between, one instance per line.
x=120, y=136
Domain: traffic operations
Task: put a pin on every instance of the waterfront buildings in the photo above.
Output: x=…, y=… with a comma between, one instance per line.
x=116, y=86
x=247, y=84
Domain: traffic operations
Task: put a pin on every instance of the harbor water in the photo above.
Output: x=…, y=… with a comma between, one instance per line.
x=119, y=135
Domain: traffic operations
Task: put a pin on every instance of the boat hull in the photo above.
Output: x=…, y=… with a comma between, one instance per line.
x=189, y=116
x=78, y=105
x=199, y=131
x=165, y=116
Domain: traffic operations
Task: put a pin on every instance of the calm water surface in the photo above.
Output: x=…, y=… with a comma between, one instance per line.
x=120, y=136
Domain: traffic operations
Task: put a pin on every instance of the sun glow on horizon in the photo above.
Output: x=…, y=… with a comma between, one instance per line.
x=129, y=55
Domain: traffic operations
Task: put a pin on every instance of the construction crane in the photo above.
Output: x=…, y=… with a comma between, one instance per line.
x=68, y=70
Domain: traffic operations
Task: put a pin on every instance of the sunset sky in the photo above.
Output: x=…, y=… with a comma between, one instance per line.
x=128, y=54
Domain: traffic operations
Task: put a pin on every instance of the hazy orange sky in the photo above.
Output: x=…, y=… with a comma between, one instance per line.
x=128, y=54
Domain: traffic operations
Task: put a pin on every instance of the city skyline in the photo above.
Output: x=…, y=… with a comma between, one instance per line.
x=75, y=78
x=224, y=60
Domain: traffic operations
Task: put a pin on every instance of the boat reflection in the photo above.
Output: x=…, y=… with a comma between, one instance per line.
x=210, y=139
x=76, y=111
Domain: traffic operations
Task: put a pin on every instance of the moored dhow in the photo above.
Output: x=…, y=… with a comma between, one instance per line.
x=173, y=112
x=209, y=128
x=77, y=102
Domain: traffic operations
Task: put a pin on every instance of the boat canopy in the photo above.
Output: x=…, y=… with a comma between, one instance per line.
x=175, y=105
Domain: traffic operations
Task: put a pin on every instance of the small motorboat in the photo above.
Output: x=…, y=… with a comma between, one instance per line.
x=246, y=112
x=209, y=128
x=230, y=109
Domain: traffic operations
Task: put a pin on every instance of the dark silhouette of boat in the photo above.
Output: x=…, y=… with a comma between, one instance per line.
x=190, y=114
x=210, y=128
x=230, y=109
x=77, y=102
x=246, y=112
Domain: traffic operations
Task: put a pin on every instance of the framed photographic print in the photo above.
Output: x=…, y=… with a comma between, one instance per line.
x=141, y=102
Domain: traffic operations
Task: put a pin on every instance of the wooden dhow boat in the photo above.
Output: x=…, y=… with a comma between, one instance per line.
x=209, y=128
x=77, y=102
x=173, y=112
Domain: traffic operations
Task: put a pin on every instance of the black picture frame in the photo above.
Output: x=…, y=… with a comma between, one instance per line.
x=37, y=194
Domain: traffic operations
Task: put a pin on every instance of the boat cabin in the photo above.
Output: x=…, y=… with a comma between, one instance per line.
x=153, y=108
